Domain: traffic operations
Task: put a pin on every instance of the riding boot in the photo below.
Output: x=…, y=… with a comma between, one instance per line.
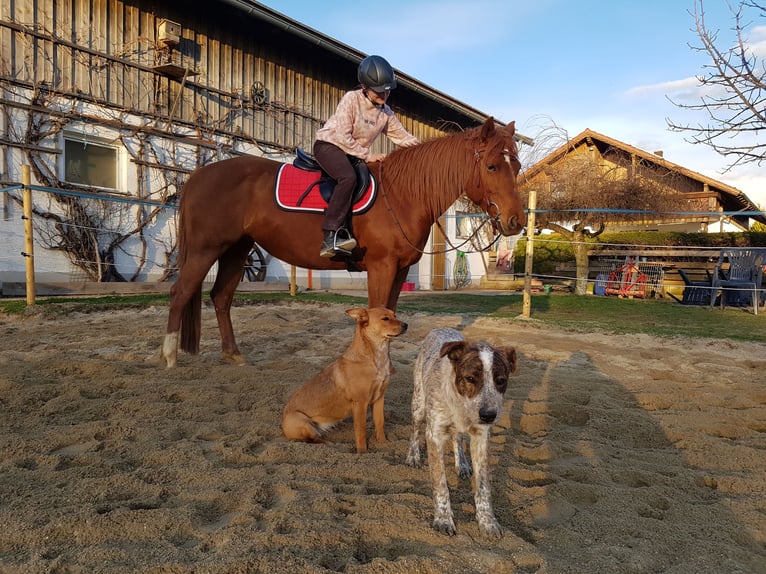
x=337, y=242
x=328, y=245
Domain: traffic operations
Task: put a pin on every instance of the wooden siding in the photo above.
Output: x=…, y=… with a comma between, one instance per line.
x=106, y=52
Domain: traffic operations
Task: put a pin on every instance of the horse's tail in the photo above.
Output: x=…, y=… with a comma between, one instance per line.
x=191, y=315
x=191, y=320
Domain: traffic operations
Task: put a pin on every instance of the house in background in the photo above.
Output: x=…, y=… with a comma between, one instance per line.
x=126, y=98
x=692, y=203
x=699, y=193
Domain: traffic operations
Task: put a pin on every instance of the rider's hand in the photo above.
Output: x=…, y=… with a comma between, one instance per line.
x=375, y=157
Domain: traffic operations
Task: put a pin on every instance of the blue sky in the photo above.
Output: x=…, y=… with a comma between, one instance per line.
x=607, y=66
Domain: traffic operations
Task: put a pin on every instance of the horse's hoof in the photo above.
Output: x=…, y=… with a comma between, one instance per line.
x=169, y=349
x=234, y=359
x=167, y=361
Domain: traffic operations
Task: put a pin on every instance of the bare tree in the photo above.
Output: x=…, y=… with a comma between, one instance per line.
x=548, y=137
x=733, y=90
x=581, y=193
x=92, y=231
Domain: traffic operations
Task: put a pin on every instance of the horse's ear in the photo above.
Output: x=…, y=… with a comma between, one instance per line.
x=511, y=128
x=488, y=129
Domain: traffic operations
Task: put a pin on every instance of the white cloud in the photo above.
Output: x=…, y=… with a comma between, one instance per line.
x=686, y=91
x=755, y=41
x=671, y=87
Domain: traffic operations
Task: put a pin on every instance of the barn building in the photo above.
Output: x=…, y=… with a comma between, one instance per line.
x=123, y=99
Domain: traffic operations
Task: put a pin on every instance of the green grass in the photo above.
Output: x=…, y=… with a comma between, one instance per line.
x=608, y=314
x=584, y=314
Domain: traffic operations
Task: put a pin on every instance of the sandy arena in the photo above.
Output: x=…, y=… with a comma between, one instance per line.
x=615, y=454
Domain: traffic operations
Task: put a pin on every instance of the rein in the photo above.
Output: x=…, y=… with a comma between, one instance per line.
x=495, y=219
x=469, y=239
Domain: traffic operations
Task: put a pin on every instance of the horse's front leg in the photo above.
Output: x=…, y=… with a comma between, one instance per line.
x=381, y=277
x=396, y=287
x=230, y=267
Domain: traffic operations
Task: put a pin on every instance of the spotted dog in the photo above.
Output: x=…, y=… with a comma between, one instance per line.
x=458, y=392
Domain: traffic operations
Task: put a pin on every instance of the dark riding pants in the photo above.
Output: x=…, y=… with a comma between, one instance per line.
x=338, y=166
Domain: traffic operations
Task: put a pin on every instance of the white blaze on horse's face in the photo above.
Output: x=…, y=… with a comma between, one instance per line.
x=502, y=201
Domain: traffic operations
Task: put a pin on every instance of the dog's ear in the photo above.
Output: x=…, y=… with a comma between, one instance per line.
x=510, y=355
x=359, y=314
x=453, y=350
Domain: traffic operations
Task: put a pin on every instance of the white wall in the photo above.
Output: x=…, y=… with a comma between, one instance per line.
x=151, y=249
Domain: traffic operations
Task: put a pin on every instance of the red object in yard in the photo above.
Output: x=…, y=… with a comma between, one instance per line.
x=408, y=286
x=627, y=281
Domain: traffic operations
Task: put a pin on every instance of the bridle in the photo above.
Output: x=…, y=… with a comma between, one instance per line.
x=495, y=220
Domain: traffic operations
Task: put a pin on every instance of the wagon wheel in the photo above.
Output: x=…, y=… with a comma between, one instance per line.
x=255, y=265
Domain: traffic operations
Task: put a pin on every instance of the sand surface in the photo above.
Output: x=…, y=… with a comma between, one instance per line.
x=615, y=454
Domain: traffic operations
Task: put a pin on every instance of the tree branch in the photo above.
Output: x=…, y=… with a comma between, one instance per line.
x=733, y=92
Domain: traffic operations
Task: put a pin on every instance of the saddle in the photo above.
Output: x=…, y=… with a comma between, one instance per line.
x=305, y=161
x=303, y=186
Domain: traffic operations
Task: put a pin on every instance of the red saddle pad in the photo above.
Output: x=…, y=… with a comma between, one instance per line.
x=292, y=183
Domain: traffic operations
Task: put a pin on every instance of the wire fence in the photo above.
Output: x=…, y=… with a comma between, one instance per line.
x=691, y=275
x=143, y=231
x=78, y=232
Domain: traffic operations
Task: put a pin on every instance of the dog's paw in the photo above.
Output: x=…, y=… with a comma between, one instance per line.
x=413, y=457
x=464, y=471
x=445, y=526
x=414, y=462
x=491, y=527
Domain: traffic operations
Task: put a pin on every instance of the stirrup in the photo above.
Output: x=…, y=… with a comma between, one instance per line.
x=343, y=244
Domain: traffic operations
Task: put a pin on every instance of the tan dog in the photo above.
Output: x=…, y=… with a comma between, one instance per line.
x=349, y=385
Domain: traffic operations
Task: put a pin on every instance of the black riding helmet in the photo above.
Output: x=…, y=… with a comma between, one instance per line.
x=377, y=74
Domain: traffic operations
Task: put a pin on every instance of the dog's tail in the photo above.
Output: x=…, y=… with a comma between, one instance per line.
x=297, y=425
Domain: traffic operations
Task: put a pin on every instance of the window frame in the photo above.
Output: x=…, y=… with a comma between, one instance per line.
x=86, y=138
x=465, y=219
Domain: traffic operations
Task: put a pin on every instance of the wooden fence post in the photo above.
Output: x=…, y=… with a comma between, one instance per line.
x=526, y=307
x=29, y=244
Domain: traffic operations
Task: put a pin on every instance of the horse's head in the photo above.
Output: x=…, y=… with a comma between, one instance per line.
x=498, y=165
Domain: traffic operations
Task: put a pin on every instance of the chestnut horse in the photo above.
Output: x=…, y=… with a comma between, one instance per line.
x=228, y=205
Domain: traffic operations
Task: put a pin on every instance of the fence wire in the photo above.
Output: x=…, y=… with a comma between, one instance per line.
x=599, y=267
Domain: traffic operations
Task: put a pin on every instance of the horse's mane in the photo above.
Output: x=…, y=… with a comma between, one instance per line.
x=434, y=172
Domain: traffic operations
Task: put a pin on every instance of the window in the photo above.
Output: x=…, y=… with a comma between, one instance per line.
x=89, y=163
x=467, y=224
